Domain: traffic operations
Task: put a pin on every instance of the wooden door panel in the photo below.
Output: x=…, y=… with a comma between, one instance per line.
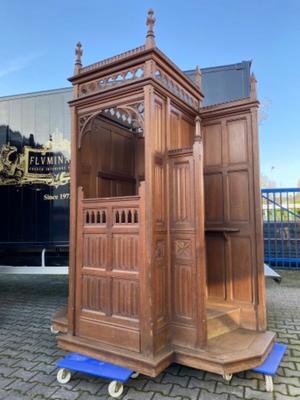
x=108, y=275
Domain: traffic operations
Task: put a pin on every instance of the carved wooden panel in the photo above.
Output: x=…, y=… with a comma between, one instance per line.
x=174, y=130
x=125, y=252
x=125, y=295
x=214, y=197
x=182, y=199
x=109, y=271
x=159, y=132
x=213, y=145
x=95, y=294
x=239, y=204
x=237, y=141
x=183, y=292
x=95, y=250
x=183, y=249
x=159, y=199
x=161, y=284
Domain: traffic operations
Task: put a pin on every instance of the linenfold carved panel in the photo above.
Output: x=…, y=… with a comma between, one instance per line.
x=95, y=293
x=159, y=137
x=160, y=278
x=159, y=185
x=183, y=287
x=125, y=296
x=125, y=252
x=182, y=209
x=95, y=250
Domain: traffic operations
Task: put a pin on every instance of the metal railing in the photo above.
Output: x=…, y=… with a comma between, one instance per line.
x=281, y=227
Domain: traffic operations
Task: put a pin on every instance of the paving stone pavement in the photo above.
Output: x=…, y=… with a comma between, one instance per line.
x=28, y=351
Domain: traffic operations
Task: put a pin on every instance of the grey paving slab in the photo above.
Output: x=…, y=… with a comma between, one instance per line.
x=28, y=351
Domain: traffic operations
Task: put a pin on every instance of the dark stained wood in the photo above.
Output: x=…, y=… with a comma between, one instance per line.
x=165, y=244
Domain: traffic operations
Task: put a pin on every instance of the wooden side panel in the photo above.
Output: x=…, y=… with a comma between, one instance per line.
x=230, y=205
x=183, y=266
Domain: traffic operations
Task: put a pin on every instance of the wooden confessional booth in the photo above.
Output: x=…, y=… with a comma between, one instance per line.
x=165, y=242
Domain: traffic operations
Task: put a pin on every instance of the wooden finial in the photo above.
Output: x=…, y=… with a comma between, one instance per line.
x=253, y=94
x=198, y=77
x=150, y=38
x=78, y=53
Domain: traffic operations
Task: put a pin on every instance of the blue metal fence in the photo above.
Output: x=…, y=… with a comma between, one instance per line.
x=281, y=227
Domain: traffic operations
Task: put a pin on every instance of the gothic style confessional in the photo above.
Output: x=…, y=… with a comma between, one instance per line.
x=165, y=242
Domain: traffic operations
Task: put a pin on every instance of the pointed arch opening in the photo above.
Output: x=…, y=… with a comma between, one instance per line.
x=111, y=151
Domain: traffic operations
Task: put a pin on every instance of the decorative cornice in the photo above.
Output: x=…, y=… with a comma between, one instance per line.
x=113, y=59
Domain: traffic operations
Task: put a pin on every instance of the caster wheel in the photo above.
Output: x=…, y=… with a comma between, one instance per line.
x=135, y=375
x=63, y=375
x=53, y=330
x=269, y=383
x=227, y=377
x=115, y=389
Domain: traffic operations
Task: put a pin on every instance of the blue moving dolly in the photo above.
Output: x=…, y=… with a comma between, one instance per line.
x=271, y=364
x=79, y=363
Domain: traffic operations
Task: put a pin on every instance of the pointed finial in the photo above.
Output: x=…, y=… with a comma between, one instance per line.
x=150, y=38
x=78, y=53
x=198, y=77
x=253, y=94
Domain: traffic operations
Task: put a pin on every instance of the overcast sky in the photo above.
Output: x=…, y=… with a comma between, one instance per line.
x=38, y=38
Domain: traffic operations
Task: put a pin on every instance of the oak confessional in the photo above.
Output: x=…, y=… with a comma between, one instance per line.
x=165, y=241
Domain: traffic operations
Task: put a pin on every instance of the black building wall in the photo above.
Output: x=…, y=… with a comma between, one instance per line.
x=34, y=175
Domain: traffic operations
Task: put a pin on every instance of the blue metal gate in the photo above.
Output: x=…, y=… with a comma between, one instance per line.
x=281, y=227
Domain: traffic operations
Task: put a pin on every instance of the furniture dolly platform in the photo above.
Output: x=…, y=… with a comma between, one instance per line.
x=79, y=363
x=270, y=366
